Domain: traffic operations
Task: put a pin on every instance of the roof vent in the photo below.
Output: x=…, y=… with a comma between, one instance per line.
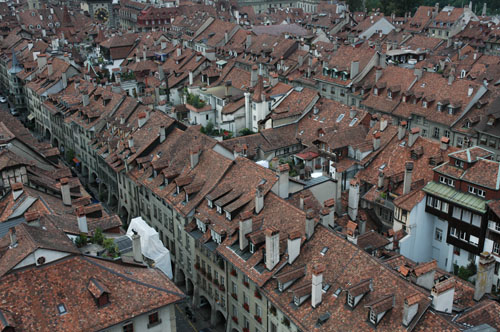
x=323, y=319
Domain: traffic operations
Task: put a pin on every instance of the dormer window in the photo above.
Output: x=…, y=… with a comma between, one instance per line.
x=216, y=237
x=439, y=107
x=252, y=247
x=201, y=225
x=210, y=203
x=296, y=300
x=373, y=317
x=375, y=91
x=459, y=163
x=228, y=215
x=61, y=309
x=404, y=99
x=280, y=286
x=424, y=104
x=389, y=94
x=219, y=209
x=350, y=300
x=177, y=189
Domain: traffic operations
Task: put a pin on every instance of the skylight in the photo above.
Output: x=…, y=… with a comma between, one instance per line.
x=353, y=122
x=341, y=116
x=62, y=309
x=324, y=250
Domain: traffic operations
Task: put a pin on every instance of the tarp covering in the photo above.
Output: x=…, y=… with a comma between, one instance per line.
x=151, y=245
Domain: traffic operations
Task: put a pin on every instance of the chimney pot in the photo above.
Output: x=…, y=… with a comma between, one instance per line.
x=272, y=247
x=13, y=237
x=136, y=247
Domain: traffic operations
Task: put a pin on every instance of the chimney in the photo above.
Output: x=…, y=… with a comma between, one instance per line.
x=41, y=61
x=376, y=141
x=301, y=60
x=179, y=51
x=383, y=123
x=227, y=87
x=380, y=181
x=293, y=246
x=407, y=179
x=418, y=73
x=191, y=79
x=328, y=213
x=272, y=247
x=361, y=226
x=410, y=308
x=136, y=246
x=414, y=133
x=131, y=142
x=378, y=74
x=402, y=130
x=85, y=99
x=301, y=202
x=248, y=116
x=143, y=117
x=64, y=80
x=81, y=217
x=13, y=237
x=245, y=228
x=442, y=295
x=352, y=113
x=445, y=142
x=310, y=224
x=66, y=196
x=50, y=69
x=354, y=69
x=253, y=76
x=144, y=53
x=451, y=78
x=283, y=182
x=423, y=274
x=194, y=157
x=17, y=190
x=317, y=284
x=137, y=57
x=162, y=134
x=484, y=10
x=248, y=42
x=32, y=218
x=259, y=198
x=470, y=91
x=485, y=274
x=353, y=202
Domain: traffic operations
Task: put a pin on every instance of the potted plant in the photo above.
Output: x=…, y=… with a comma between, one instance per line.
x=257, y=294
x=258, y=318
x=235, y=319
x=233, y=272
x=234, y=296
x=246, y=307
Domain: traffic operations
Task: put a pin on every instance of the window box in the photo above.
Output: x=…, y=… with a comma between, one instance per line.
x=246, y=307
x=234, y=296
x=246, y=329
x=246, y=284
x=197, y=266
x=235, y=319
x=222, y=288
x=233, y=272
x=257, y=294
x=258, y=319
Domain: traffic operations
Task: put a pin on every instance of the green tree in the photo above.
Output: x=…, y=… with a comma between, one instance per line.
x=98, y=237
x=245, y=132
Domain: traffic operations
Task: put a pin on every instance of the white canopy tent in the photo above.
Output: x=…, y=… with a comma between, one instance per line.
x=151, y=245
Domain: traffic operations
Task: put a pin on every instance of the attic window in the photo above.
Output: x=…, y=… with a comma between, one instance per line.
x=210, y=203
x=439, y=107
x=324, y=250
x=296, y=300
x=252, y=247
x=424, y=104
x=228, y=215
x=219, y=210
x=201, y=225
x=389, y=94
x=62, y=309
x=375, y=91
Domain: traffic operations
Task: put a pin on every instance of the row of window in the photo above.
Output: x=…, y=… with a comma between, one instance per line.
x=462, y=235
x=437, y=204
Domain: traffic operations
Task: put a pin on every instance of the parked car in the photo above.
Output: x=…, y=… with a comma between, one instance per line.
x=3, y=100
x=14, y=112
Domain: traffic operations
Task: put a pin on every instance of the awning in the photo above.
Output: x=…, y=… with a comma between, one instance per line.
x=31, y=116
